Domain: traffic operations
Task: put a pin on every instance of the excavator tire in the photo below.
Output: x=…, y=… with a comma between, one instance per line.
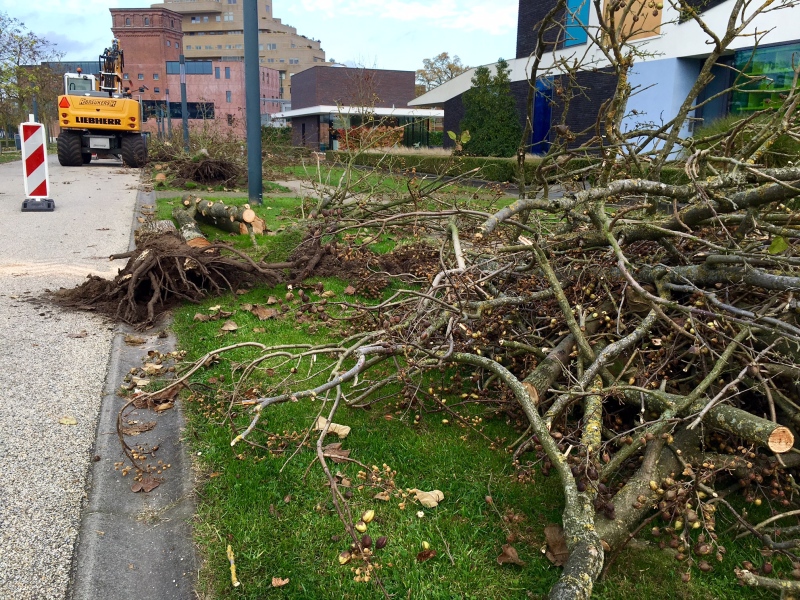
x=69, y=149
x=134, y=151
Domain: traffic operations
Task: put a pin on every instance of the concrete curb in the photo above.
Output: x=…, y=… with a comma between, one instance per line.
x=136, y=546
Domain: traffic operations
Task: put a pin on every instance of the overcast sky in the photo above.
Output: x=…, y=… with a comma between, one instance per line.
x=387, y=34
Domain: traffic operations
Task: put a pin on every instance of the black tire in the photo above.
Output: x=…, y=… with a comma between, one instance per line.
x=69, y=149
x=86, y=158
x=134, y=151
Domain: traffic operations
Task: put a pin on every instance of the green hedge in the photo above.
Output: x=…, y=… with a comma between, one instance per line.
x=491, y=169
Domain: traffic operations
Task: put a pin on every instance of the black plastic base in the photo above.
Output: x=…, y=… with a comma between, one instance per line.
x=36, y=205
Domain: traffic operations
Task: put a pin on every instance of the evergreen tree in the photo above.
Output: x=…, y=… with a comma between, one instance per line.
x=490, y=114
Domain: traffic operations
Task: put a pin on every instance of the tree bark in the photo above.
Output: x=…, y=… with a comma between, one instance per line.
x=188, y=228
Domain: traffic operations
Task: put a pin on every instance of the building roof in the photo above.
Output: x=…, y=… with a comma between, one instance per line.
x=347, y=110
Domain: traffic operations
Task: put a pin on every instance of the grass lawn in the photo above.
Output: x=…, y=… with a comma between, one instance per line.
x=269, y=501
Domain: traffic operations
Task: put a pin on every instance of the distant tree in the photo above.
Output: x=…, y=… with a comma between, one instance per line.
x=490, y=114
x=435, y=71
x=21, y=77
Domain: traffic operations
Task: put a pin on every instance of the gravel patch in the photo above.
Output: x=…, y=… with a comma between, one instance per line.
x=55, y=365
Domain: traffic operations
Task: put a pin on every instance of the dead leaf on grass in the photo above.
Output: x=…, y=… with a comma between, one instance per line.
x=229, y=325
x=272, y=300
x=264, y=313
x=134, y=340
x=335, y=452
x=152, y=368
x=349, y=290
x=140, y=381
x=382, y=496
x=328, y=294
x=68, y=420
x=278, y=582
x=259, y=330
x=341, y=430
x=428, y=499
x=137, y=428
x=556, y=552
x=509, y=556
x=426, y=555
x=201, y=317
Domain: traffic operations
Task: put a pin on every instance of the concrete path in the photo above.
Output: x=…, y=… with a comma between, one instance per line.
x=55, y=366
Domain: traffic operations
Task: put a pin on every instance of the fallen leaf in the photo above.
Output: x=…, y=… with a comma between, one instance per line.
x=259, y=330
x=509, y=556
x=278, y=582
x=168, y=393
x=382, y=496
x=287, y=498
x=328, y=294
x=147, y=484
x=229, y=326
x=68, y=420
x=556, y=552
x=164, y=406
x=241, y=292
x=272, y=300
x=214, y=308
x=341, y=430
x=349, y=290
x=133, y=340
x=81, y=334
x=152, y=368
x=137, y=428
x=264, y=313
x=201, y=317
x=139, y=381
x=247, y=307
x=335, y=452
x=426, y=555
x=428, y=499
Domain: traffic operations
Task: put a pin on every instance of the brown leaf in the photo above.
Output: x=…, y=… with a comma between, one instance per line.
x=557, y=552
x=264, y=313
x=147, y=484
x=349, y=290
x=287, y=498
x=167, y=394
x=278, y=582
x=428, y=499
x=229, y=325
x=241, y=292
x=259, y=330
x=81, y=334
x=426, y=555
x=509, y=556
x=272, y=300
x=137, y=428
x=133, y=340
x=382, y=496
x=201, y=317
x=152, y=368
x=341, y=430
x=247, y=307
x=335, y=452
x=164, y=406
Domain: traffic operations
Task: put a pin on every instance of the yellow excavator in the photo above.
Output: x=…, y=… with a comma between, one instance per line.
x=99, y=117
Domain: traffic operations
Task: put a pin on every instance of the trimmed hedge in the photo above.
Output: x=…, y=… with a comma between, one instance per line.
x=500, y=170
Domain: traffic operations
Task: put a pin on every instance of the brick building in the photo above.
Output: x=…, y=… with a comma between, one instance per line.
x=152, y=41
x=328, y=98
x=214, y=30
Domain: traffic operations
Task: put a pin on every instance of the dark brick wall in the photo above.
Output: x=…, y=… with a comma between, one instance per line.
x=531, y=13
x=359, y=87
x=582, y=113
x=312, y=132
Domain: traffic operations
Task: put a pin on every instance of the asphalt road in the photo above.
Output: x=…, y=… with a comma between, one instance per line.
x=54, y=364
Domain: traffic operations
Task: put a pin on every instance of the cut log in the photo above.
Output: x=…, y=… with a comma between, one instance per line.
x=153, y=228
x=227, y=218
x=188, y=228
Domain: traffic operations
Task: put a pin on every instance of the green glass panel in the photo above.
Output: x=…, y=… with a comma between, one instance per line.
x=774, y=64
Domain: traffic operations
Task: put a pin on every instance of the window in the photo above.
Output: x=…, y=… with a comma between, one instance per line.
x=147, y=21
x=172, y=22
x=227, y=73
x=239, y=46
x=272, y=46
x=294, y=45
x=195, y=20
x=231, y=1
x=218, y=18
x=189, y=47
x=576, y=20
x=192, y=67
x=216, y=72
x=228, y=96
x=228, y=47
x=155, y=76
x=267, y=7
x=140, y=77
x=230, y=120
x=219, y=46
x=177, y=45
x=169, y=43
x=205, y=19
x=126, y=76
x=270, y=60
x=127, y=21
x=208, y=47
x=294, y=61
x=156, y=90
x=281, y=60
x=228, y=16
x=261, y=46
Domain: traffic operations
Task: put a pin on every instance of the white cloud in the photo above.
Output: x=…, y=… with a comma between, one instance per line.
x=464, y=15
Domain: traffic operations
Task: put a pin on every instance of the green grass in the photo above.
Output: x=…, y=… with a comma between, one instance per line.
x=276, y=512
x=10, y=156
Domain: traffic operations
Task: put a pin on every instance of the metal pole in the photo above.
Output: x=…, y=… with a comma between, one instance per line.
x=169, y=117
x=35, y=109
x=255, y=186
x=184, y=107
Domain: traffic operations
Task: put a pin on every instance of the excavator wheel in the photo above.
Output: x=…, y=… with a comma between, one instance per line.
x=69, y=149
x=134, y=151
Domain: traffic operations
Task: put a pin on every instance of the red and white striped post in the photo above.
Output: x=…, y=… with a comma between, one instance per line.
x=34, y=166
